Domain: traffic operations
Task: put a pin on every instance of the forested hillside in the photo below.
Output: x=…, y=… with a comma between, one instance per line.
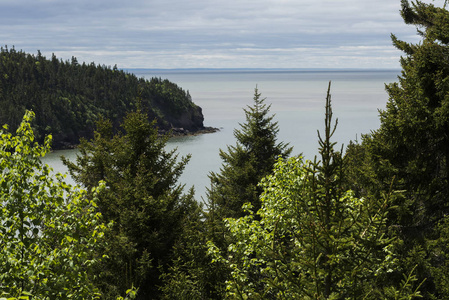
x=367, y=222
x=67, y=97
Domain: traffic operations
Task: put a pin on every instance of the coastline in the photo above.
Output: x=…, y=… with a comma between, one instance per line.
x=184, y=132
x=174, y=132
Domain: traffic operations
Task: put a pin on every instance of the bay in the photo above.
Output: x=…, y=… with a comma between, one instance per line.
x=297, y=99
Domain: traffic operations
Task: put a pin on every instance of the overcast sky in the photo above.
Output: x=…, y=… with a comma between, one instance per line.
x=209, y=33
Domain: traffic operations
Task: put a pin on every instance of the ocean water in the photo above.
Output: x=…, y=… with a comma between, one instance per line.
x=297, y=99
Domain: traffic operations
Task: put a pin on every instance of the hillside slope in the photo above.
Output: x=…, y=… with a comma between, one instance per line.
x=68, y=97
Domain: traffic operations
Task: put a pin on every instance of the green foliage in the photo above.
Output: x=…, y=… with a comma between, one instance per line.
x=68, y=97
x=246, y=163
x=130, y=294
x=142, y=198
x=186, y=278
x=49, y=231
x=438, y=254
x=412, y=146
x=292, y=253
x=311, y=239
x=412, y=142
x=181, y=282
x=191, y=275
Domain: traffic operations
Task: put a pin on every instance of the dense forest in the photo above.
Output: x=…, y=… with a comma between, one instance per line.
x=68, y=97
x=367, y=222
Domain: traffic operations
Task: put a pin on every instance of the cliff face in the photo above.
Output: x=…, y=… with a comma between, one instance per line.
x=190, y=120
x=174, y=107
x=68, y=97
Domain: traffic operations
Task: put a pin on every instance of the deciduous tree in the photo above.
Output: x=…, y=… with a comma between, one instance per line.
x=49, y=231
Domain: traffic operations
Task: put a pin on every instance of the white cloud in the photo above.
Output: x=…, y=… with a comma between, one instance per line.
x=208, y=33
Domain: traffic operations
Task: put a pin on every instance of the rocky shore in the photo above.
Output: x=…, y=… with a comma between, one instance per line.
x=174, y=132
x=185, y=132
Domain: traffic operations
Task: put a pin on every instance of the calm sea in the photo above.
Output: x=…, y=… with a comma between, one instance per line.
x=297, y=99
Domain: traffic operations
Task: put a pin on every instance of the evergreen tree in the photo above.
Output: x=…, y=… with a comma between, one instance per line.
x=142, y=198
x=414, y=132
x=412, y=145
x=246, y=163
x=192, y=275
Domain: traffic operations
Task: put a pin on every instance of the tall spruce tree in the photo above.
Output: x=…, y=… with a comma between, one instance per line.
x=246, y=163
x=414, y=132
x=142, y=198
x=412, y=144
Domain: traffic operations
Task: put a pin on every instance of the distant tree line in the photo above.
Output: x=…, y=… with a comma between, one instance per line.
x=367, y=223
x=68, y=97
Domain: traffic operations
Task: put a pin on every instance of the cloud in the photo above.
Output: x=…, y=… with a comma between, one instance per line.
x=208, y=33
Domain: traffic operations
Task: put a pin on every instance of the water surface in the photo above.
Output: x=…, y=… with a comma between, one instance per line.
x=297, y=98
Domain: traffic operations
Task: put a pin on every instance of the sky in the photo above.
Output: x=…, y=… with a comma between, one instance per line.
x=209, y=33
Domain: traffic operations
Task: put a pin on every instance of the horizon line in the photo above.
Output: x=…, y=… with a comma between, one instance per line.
x=265, y=69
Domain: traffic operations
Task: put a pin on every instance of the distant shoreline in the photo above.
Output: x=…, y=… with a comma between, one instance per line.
x=250, y=70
